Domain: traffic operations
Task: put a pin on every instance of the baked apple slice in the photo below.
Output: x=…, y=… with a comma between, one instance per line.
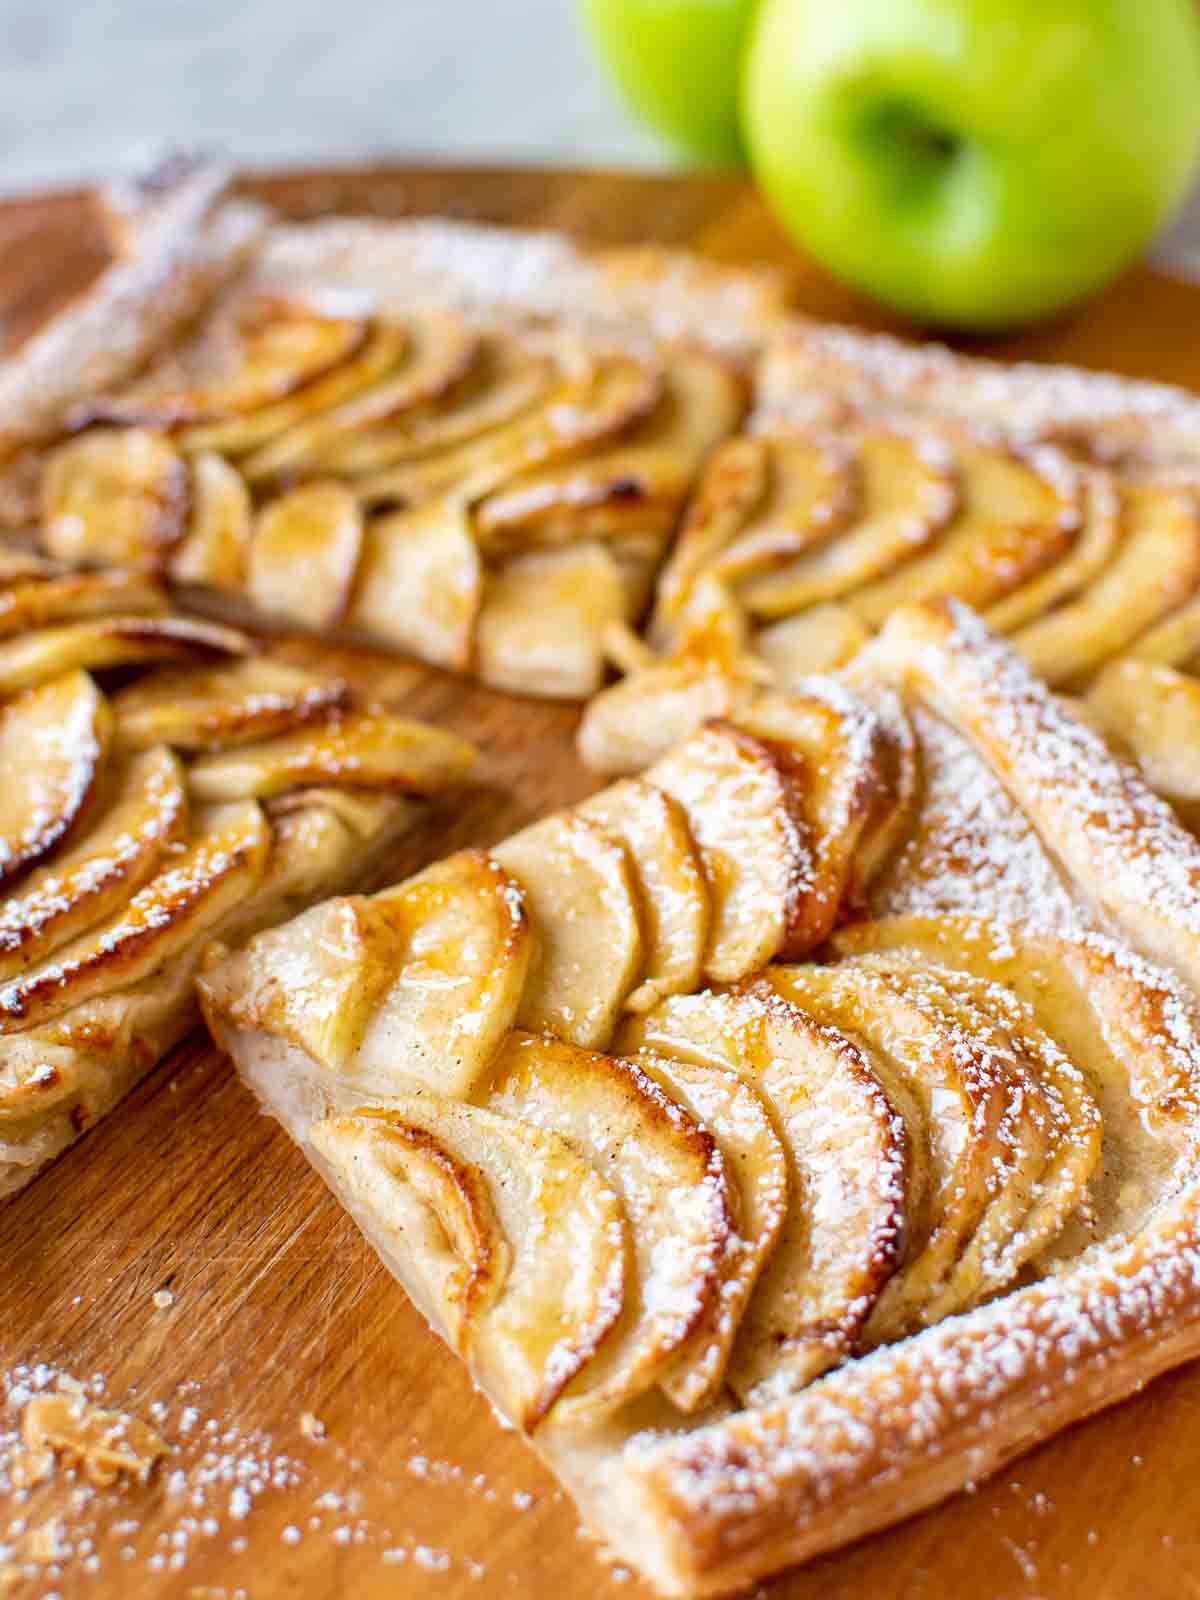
x=544, y=618
x=1173, y=642
x=54, y=741
x=673, y=896
x=368, y=749
x=845, y=1232
x=195, y=892
x=117, y=498
x=1082, y=564
x=746, y=808
x=821, y=639
x=670, y=1177
x=582, y=901
x=239, y=364
x=146, y=815
x=420, y=583
x=756, y=1167
x=505, y=1237
x=218, y=707
x=909, y=494
x=1021, y=512
x=77, y=597
x=215, y=549
x=1156, y=568
x=113, y=641
x=1155, y=711
x=304, y=555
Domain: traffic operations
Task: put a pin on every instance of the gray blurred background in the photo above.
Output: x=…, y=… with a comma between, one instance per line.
x=86, y=84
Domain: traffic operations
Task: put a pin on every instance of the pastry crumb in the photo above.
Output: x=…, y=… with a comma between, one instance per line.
x=104, y=1443
x=163, y=1299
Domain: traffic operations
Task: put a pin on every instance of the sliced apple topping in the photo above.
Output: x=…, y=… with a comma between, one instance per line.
x=115, y=497
x=507, y=1239
x=838, y=746
x=304, y=555
x=1082, y=564
x=821, y=639
x=77, y=597
x=673, y=894
x=219, y=707
x=368, y=749
x=670, y=1177
x=215, y=549
x=115, y=641
x=1155, y=711
x=21, y=566
x=746, y=809
x=1021, y=511
x=270, y=350
x=543, y=621
x=508, y=381
x=756, y=1166
x=1173, y=642
x=845, y=1232
x=908, y=495
x=426, y=366
x=582, y=901
x=189, y=897
x=147, y=813
x=420, y=583
x=1155, y=569
x=1123, y=1024
x=245, y=434
x=965, y=1094
x=53, y=745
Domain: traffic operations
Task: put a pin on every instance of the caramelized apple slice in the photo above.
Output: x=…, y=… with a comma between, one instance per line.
x=508, y=1241
x=582, y=901
x=673, y=892
x=1080, y=566
x=77, y=597
x=1021, y=512
x=965, y=1095
x=838, y=745
x=53, y=744
x=1173, y=642
x=1155, y=569
x=670, y=1178
x=756, y=1165
x=732, y=485
x=202, y=886
x=821, y=639
x=273, y=349
x=508, y=381
x=420, y=583
x=542, y=625
x=1124, y=1024
x=20, y=566
x=746, y=810
x=213, y=709
x=909, y=495
x=113, y=642
x=369, y=749
x=304, y=555
x=634, y=722
x=146, y=815
x=1155, y=711
x=215, y=550
x=844, y=1236
x=115, y=497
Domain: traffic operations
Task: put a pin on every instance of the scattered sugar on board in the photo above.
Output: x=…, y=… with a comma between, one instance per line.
x=210, y=1481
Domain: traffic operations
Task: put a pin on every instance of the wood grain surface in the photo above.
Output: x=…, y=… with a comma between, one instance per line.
x=279, y=1313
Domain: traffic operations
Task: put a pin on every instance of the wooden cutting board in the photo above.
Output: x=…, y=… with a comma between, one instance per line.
x=185, y=1257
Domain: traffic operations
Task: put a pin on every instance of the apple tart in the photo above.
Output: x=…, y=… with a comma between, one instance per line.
x=469, y=445
x=792, y=1134
x=1063, y=506
x=163, y=782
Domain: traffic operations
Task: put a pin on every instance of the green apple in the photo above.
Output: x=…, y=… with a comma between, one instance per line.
x=678, y=63
x=974, y=163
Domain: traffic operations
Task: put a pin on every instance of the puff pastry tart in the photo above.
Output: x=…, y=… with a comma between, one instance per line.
x=160, y=782
x=792, y=1134
x=468, y=445
x=1064, y=506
